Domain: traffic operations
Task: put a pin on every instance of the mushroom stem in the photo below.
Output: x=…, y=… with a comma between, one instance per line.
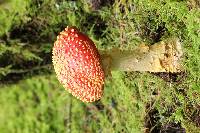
x=163, y=56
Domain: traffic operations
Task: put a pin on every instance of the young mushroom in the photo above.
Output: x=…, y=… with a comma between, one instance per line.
x=81, y=69
x=77, y=65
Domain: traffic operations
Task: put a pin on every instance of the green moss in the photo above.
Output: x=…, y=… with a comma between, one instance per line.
x=12, y=10
x=27, y=33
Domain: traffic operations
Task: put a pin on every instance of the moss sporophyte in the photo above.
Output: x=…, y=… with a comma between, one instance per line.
x=82, y=69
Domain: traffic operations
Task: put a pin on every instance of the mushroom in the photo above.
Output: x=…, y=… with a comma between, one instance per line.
x=82, y=69
x=77, y=65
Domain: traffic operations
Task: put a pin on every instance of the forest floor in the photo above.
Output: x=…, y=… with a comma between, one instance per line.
x=32, y=100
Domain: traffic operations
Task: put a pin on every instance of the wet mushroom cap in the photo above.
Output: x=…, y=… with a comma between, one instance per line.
x=77, y=65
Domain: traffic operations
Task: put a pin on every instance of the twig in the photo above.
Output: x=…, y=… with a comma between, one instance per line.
x=69, y=115
x=47, y=66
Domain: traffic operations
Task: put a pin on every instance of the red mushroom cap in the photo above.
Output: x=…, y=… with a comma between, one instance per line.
x=77, y=65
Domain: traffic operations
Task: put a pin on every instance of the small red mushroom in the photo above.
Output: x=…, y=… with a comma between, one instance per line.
x=81, y=70
x=77, y=65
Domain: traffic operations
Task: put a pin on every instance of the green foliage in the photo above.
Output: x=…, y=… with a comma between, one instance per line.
x=32, y=106
x=12, y=55
x=12, y=10
x=5, y=70
x=40, y=104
